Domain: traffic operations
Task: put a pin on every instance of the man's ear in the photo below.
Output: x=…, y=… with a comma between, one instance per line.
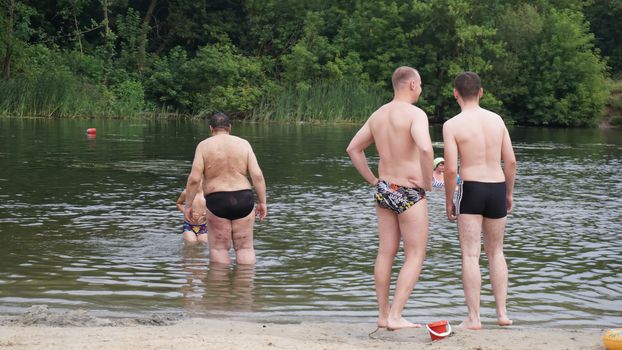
x=481, y=92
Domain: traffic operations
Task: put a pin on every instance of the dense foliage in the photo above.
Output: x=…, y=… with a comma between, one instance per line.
x=542, y=62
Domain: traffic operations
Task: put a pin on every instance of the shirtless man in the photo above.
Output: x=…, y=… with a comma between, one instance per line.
x=224, y=162
x=400, y=132
x=481, y=140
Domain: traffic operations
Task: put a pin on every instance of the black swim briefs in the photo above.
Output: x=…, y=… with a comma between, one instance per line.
x=230, y=205
x=482, y=198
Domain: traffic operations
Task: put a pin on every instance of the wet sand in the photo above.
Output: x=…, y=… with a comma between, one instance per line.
x=40, y=329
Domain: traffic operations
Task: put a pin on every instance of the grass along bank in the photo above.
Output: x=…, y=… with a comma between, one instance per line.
x=61, y=94
x=322, y=101
x=613, y=108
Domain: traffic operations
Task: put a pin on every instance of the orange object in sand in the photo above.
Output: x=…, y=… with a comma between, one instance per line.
x=438, y=330
x=91, y=131
x=613, y=339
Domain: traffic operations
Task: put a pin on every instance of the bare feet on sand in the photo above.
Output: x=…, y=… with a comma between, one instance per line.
x=504, y=321
x=475, y=325
x=399, y=323
x=382, y=322
x=470, y=324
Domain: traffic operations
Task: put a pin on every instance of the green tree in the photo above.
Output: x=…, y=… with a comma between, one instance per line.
x=559, y=77
x=165, y=85
x=604, y=17
x=221, y=79
x=438, y=38
x=15, y=31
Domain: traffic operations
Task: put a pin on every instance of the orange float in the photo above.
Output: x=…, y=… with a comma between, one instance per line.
x=613, y=339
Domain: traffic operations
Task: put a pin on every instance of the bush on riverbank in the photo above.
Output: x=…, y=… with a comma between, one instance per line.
x=540, y=62
x=614, y=106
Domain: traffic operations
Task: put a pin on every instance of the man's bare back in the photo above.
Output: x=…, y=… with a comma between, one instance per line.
x=226, y=158
x=396, y=128
x=479, y=135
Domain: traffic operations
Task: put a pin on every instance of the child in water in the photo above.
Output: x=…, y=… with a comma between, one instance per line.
x=438, y=181
x=195, y=231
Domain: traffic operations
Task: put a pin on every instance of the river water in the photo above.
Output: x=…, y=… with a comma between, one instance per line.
x=90, y=223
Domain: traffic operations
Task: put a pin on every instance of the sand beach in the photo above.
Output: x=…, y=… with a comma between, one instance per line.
x=39, y=328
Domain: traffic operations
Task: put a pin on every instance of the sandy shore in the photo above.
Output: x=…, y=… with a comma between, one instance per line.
x=93, y=333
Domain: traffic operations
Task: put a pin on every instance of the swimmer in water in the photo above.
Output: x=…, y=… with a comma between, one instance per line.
x=194, y=231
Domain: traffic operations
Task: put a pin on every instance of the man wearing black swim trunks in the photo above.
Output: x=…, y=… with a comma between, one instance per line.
x=400, y=132
x=224, y=162
x=480, y=139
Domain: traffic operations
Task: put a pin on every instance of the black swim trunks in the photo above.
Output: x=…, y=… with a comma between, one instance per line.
x=230, y=205
x=482, y=198
x=397, y=198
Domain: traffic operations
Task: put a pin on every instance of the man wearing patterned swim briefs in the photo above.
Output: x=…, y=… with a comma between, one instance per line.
x=480, y=139
x=400, y=132
x=397, y=198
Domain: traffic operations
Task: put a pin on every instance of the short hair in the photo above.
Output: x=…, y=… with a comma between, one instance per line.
x=402, y=75
x=219, y=121
x=468, y=85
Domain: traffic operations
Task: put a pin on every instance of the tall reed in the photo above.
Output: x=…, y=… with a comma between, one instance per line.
x=61, y=94
x=328, y=101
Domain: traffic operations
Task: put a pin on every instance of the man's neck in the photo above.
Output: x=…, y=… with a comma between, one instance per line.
x=469, y=105
x=403, y=98
x=220, y=132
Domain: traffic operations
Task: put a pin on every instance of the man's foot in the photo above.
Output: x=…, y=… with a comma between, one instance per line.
x=382, y=322
x=470, y=324
x=504, y=321
x=399, y=323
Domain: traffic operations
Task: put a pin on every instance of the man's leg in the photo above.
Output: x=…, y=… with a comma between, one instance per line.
x=242, y=285
x=219, y=238
x=413, y=225
x=202, y=238
x=493, y=246
x=389, y=243
x=242, y=234
x=469, y=231
x=189, y=237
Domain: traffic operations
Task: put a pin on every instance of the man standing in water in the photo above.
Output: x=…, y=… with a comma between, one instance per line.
x=481, y=141
x=224, y=162
x=400, y=133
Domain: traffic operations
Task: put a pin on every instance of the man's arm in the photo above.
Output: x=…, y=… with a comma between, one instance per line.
x=181, y=201
x=451, y=170
x=356, y=151
x=509, y=168
x=259, y=183
x=421, y=134
x=194, y=181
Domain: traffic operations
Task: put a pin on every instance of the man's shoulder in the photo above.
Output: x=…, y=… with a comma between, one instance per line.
x=452, y=122
x=382, y=110
x=417, y=112
x=240, y=140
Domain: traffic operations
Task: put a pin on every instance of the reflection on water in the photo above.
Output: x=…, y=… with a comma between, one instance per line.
x=215, y=288
x=92, y=224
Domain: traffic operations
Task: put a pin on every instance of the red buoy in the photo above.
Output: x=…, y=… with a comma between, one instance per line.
x=91, y=131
